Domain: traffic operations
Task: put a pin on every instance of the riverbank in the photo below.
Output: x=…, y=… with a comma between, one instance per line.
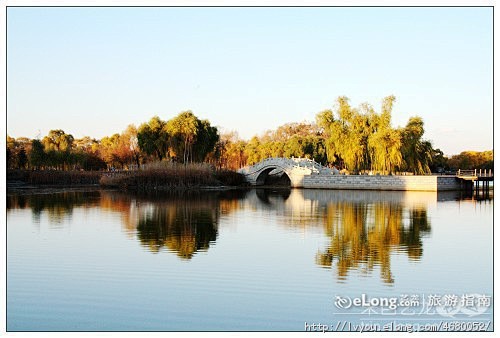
x=53, y=177
x=158, y=177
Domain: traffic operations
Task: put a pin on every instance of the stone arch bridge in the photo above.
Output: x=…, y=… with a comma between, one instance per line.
x=295, y=168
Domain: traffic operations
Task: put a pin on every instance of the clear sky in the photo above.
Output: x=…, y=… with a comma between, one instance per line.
x=93, y=71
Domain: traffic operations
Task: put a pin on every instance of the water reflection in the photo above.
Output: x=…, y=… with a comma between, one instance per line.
x=363, y=229
x=178, y=226
x=362, y=236
x=183, y=223
x=57, y=206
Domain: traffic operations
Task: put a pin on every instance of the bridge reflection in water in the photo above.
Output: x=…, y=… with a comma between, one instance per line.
x=363, y=229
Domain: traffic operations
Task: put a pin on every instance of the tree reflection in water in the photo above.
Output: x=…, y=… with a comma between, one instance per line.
x=181, y=228
x=183, y=223
x=363, y=229
x=363, y=235
x=58, y=206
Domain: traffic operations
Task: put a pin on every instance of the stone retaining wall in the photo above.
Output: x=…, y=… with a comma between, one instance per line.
x=365, y=182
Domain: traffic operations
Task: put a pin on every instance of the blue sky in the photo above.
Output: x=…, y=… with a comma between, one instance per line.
x=93, y=71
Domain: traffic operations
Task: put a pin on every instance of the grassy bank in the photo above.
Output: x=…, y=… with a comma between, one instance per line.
x=172, y=176
x=54, y=177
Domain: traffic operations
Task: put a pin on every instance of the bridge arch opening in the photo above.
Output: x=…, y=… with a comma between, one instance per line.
x=273, y=176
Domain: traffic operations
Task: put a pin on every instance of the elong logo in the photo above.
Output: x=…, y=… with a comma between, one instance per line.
x=345, y=302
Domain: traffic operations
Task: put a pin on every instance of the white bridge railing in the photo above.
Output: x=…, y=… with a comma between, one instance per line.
x=475, y=172
x=284, y=164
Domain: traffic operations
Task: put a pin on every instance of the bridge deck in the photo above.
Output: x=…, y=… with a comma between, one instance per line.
x=481, y=175
x=476, y=178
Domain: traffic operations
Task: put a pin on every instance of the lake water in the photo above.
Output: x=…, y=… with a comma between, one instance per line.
x=263, y=260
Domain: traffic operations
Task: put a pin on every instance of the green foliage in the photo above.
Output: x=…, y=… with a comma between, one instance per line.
x=37, y=157
x=153, y=138
x=253, y=151
x=58, y=140
x=417, y=153
x=207, y=137
x=191, y=137
x=472, y=160
x=358, y=139
x=231, y=151
x=17, y=152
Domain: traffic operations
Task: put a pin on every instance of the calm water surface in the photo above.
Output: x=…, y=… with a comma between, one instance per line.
x=244, y=260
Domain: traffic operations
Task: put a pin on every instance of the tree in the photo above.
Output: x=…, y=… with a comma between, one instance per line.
x=232, y=151
x=385, y=142
x=37, y=156
x=207, y=137
x=153, y=138
x=346, y=141
x=58, y=140
x=58, y=147
x=86, y=144
x=183, y=128
x=439, y=161
x=11, y=152
x=385, y=146
x=22, y=159
x=472, y=160
x=417, y=153
x=252, y=151
x=192, y=137
x=108, y=146
x=129, y=138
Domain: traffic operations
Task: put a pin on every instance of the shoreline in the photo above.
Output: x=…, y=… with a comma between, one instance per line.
x=24, y=188
x=26, y=182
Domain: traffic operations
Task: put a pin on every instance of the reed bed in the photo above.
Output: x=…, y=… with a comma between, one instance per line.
x=152, y=177
x=171, y=176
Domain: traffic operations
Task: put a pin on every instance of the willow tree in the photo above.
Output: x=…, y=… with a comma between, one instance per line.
x=385, y=141
x=152, y=138
x=324, y=120
x=58, y=147
x=385, y=148
x=37, y=156
x=346, y=137
x=417, y=153
x=207, y=137
x=58, y=140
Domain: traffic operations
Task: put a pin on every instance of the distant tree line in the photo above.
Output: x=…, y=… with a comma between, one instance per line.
x=356, y=139
x=184, y=138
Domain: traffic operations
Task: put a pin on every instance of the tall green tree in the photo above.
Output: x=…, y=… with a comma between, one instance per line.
x=472, y=160
x=417, y=153
x=58, y=146
x=252, y=151
x=192, y=137
x=37, y=156
x=153, y=138
x=58, y=140
x=184, y=129
x=207, y=137
x=385, y=142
